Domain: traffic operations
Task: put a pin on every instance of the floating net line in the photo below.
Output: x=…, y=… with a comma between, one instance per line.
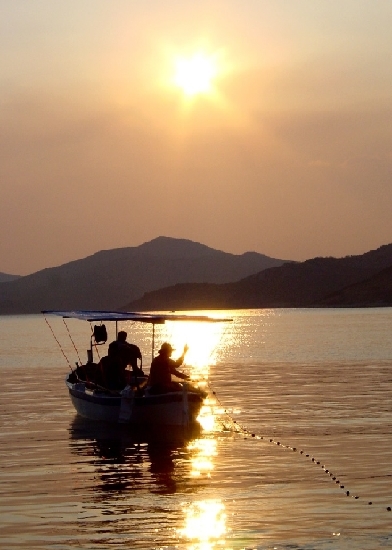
x=237, y=427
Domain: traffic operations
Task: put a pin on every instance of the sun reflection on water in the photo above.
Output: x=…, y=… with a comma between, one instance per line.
x=202, y=450
x=205, y=525
x=203, y=340
x=207, y=415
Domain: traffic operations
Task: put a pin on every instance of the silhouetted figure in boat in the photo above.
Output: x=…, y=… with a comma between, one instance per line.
x=112, y=369
x=162, y=368
x=128, y=354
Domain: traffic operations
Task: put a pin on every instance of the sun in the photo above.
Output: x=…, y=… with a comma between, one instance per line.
x=194, y=75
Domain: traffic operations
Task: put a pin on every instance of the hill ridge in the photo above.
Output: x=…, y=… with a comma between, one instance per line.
x=109, y=278
x=293, y=284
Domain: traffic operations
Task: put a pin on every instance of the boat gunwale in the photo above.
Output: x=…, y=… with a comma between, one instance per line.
x=145, y=400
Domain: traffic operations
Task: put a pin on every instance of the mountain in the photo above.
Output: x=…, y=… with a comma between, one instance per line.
x=303, y=284
x=375, y=291
x=110, y=278
x=5, y=277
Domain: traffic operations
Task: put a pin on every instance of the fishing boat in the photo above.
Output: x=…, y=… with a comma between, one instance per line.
x=136, y=403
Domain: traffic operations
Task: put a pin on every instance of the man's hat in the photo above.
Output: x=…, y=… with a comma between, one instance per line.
x=166, y=348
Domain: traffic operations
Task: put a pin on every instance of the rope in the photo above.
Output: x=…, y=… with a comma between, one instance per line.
x=73, y=343
x=238, y=428
x=61, y=349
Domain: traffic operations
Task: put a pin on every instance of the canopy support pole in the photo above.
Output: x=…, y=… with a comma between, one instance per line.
x=153, y=341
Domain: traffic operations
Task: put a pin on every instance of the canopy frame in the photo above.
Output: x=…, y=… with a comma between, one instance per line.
x=116, y=316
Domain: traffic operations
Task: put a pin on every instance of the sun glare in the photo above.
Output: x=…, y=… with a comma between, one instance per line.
x=203, y=340
x=194, y=75
x=205, y=524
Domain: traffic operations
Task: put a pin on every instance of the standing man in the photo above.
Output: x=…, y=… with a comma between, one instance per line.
x=129, y=353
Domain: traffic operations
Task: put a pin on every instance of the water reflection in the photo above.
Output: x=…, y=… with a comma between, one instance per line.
x=202, y=452
x=207, y=415
x=122, y=467
x=205, y=525
x=125, y=458
x=203, y=340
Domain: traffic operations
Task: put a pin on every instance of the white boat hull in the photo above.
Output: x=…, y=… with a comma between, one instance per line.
x=174, y=408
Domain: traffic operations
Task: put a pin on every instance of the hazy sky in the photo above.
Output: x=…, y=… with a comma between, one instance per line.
x=283, y=145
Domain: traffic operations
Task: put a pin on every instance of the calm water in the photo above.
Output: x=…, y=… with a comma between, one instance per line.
x=304, y=382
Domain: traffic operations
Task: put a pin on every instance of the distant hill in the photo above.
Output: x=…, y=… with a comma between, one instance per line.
x=376, y=291
x=304, y=284
x=110, y=278
x=5, y=277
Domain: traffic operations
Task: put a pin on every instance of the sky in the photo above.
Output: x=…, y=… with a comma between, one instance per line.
x=253, y=125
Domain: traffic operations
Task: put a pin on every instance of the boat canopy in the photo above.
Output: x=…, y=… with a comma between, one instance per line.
x=153, y=318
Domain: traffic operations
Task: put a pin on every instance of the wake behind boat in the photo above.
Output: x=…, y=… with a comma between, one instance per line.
x=135, y=401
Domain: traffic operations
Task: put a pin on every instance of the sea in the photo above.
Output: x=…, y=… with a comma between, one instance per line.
x=294, y=449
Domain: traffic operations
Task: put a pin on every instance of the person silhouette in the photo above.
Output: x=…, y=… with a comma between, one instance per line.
x=162, y=368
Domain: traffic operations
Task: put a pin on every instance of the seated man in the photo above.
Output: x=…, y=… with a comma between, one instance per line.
x=162, y=367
